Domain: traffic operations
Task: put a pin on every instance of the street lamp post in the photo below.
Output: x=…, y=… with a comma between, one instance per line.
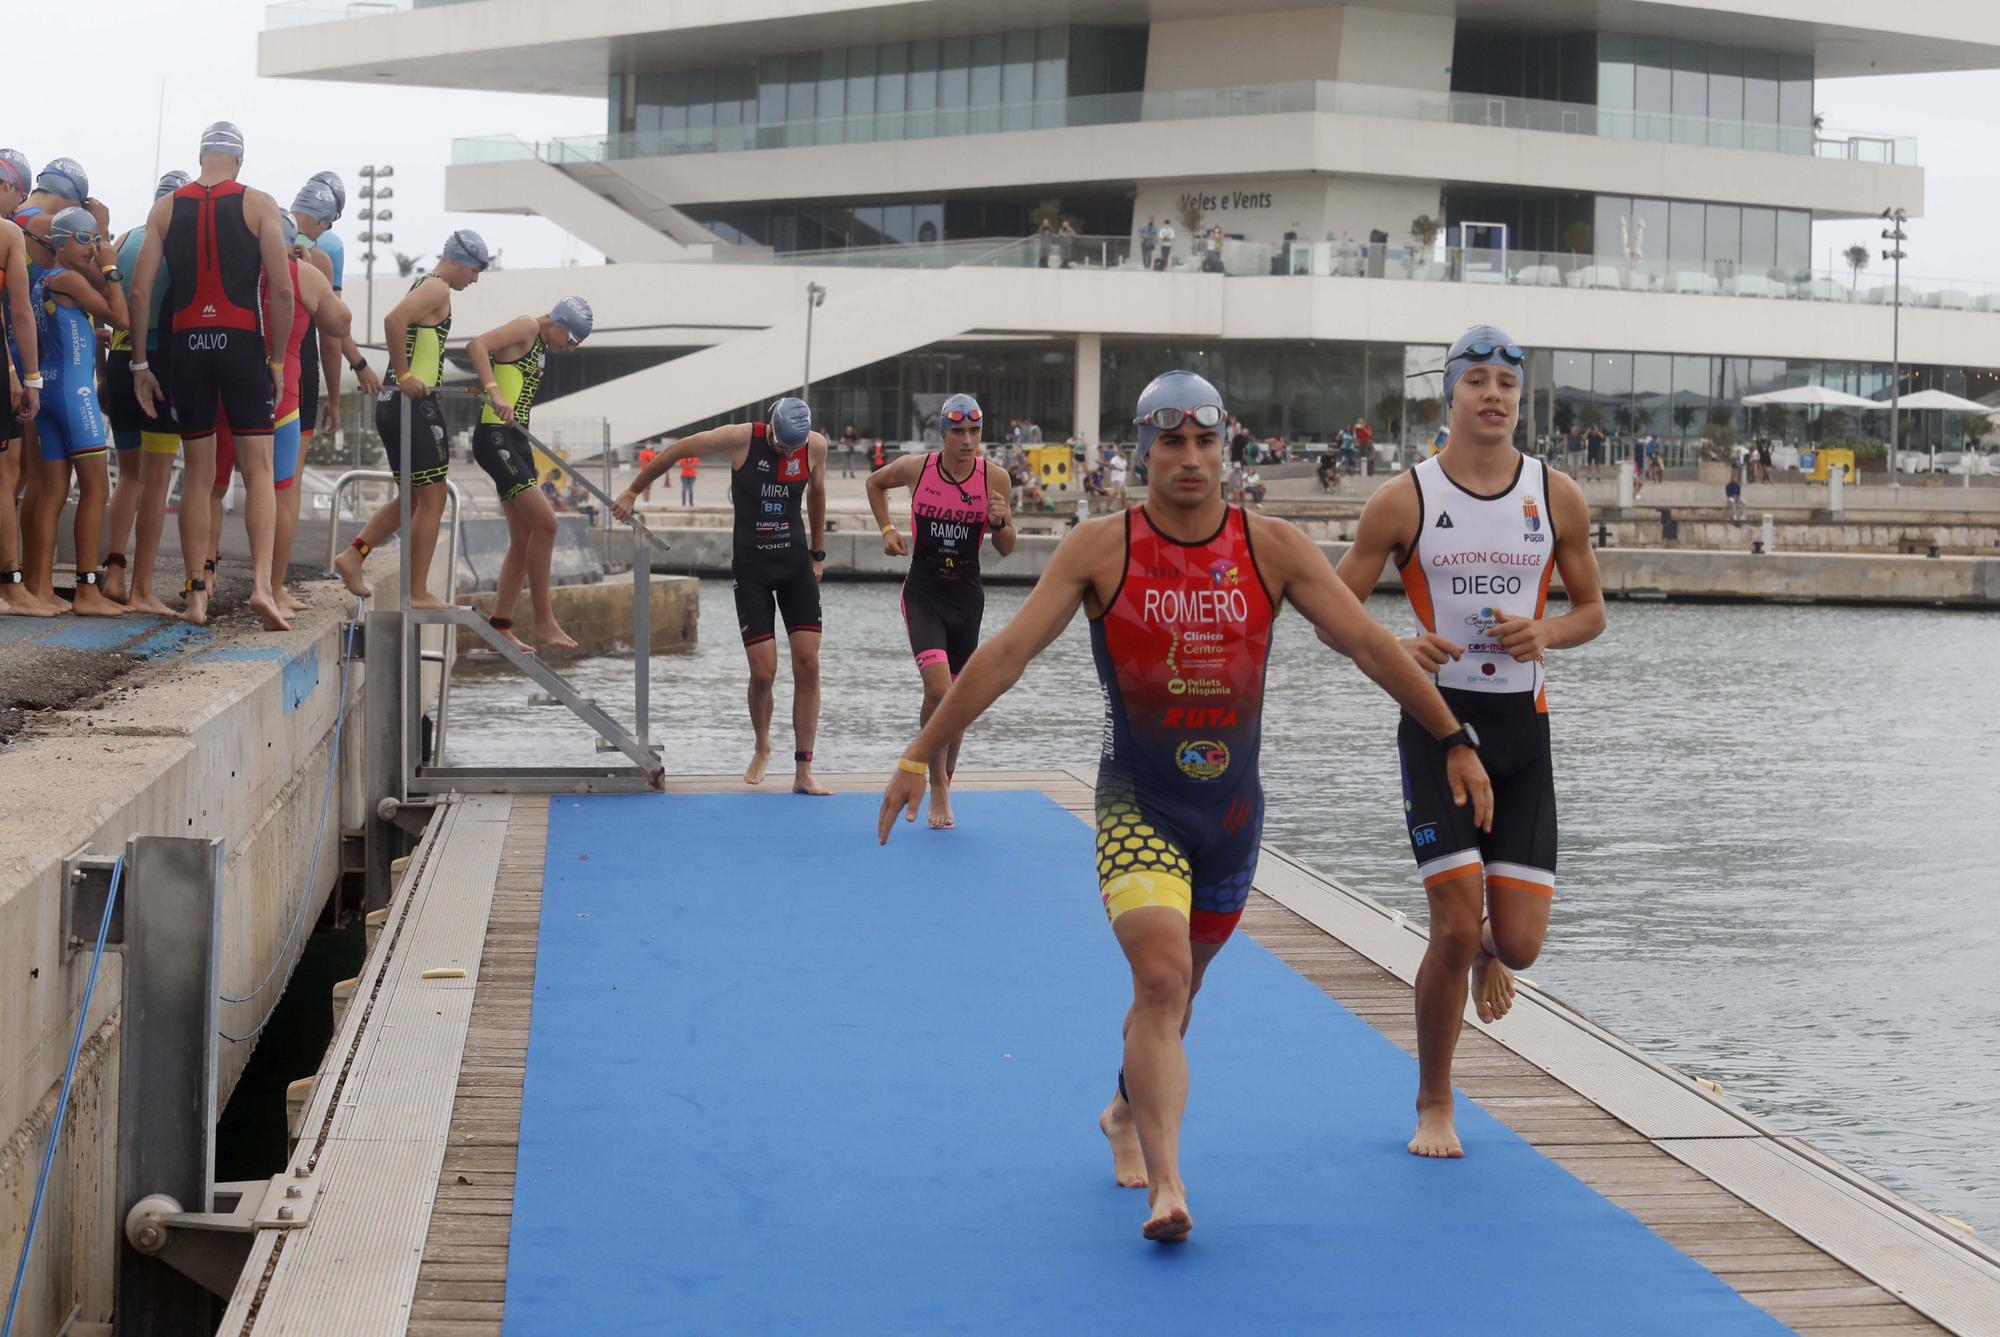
x=374, y=192
x=815, y=297
x=1895, y=235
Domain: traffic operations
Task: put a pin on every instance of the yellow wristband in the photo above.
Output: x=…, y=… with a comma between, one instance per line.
x=913, y=767
x=492, y=386
x=277, y=364
x=888, y=529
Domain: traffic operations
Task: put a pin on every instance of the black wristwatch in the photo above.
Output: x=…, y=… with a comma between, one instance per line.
x=113, y=274
x=817, y=554
x=358, y=366
x=1464, y=736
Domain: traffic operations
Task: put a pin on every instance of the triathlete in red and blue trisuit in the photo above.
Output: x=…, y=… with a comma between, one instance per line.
x=770, y=557
x=1181, y=650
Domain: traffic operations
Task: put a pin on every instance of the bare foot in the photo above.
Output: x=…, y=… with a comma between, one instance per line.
x=428, y=601
x=92, y=602
x=23, y=604
x=149, y=604
x=1492, y=988
x=267, y=613
x=941, y=818
x=760, y=761
x=196, y=608
x=553, y=639
x=803, y=782
x=114, y=584
x=1436, y=1135
x=287, y=604
x=1170, y=1222
x=348, y=567
x=507, y=634
x=1128, y=1163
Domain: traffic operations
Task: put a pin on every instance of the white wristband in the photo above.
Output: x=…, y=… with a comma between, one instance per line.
x=32, y=382
x=141, y=366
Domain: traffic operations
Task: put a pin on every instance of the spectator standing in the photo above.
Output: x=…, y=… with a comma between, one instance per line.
x=1149, y=237
x=1034, y=432
x=1065, y=245
x=646, y=456
x=1593, y=450
x=850, y=441
x=690, y=470
x=1115, y=470
x=1364, y=438
x=1048, y=242
x=1211, y=253
x=1167, y=238
x=1732, y=491
x=878, y=457
x=1763, y=459
x=1573, y=452
x=1239, y=442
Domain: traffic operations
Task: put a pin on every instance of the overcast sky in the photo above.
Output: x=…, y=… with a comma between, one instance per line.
x=103, y=108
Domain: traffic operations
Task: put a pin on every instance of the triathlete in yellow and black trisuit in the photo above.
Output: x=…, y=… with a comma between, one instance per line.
x=503, y=452
x=423, y=354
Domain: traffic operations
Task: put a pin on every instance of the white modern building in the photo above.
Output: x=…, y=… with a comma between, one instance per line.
x=1630, y=188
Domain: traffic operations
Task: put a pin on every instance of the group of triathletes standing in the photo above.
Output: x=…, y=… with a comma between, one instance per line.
x=228, y=338
x=1182, y=592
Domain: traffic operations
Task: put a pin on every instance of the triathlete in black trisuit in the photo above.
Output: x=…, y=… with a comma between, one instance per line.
x=1181, y=592
x=1476, y=532
x=955, y=498
x=775, y=468
x=220, y=239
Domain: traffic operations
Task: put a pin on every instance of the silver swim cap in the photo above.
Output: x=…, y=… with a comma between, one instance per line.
x=316, y=201
x=467, y=248
x=1170, y=390
x=791, y=422
x=290, y=226
x=574, y=315
x=14, y=168
x=332, y=181
x=223, y=137
x=967, y=409
x=1478, y=346
x=65, y=177
x=75, y=221
x=169, y=183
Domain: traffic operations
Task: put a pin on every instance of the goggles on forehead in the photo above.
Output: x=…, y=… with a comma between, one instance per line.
x=1166, y=419
x=964, y=415
x=1481, y=351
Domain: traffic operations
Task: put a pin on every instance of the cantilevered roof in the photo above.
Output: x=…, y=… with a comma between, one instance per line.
x=568, y=48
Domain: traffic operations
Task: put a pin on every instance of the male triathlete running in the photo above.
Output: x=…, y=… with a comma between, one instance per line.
x=417, y=327
x=774, y=467
x=1476, y=531
x=147, y=445
x=313, y=305
x=22, y=354
x=509, y=362
x=954, y=499
x=72, y=296
x=220, y=240
x=1181, y=592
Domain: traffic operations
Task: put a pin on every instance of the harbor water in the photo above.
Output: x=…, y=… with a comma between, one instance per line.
x=1780, y=852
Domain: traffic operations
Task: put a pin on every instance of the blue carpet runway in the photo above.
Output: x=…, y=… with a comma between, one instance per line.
x=783, y=1081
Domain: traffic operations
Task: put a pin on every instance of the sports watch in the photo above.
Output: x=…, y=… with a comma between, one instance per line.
x=1463, y=736
x=817, y=554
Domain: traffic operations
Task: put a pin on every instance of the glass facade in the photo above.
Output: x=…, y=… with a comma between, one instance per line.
x=1712, y=93
x=1011, y=80
x=1728, y=238
x=1551, y=67
x=839, y=225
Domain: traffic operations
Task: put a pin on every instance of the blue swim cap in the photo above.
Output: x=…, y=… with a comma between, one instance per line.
x=1478, y=346
x=573, y=314
x=14, y=168
x=223, y=137
x=1176, y=390
x=316, y=201
x=75, y=221
x=467, y=248
x=331, y=180
x=290, y=226
x=169, y=183
x=964, y=405
x=65, y=177
x=791, y=422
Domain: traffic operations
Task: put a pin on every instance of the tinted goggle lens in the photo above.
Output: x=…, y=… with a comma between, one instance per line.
x=1166, y=419
x=1511, y=352
x=963, y=415
x=80, y=238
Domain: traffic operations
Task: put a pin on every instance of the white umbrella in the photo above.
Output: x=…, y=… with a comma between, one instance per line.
x=1939, y=399
x=1815, y=394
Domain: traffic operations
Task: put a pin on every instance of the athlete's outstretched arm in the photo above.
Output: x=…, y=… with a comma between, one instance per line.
x=899, y=472
x=729, y=436
x=1325, y=600
x=1526, y=638
x=998, y=664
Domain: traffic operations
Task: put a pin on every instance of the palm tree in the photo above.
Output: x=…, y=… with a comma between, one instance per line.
x=1856, y=257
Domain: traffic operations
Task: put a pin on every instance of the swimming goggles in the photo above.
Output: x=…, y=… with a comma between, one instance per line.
x=1168, y=418
x=964, y=415
x=1481, y=351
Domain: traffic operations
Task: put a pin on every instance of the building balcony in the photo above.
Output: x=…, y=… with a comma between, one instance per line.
x=1322, y=96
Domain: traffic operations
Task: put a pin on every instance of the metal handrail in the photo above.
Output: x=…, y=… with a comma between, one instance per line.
x=457, y=495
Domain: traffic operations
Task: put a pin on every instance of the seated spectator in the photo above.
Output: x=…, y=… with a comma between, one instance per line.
x=552, y=492
x=1093, y=482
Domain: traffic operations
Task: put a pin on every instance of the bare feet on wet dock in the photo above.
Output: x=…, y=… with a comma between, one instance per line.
x=1492, y=988
x=803, y=782
x=1170, y=1222
x=267, y=613
x=760, y=762
x=1437, y=1133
